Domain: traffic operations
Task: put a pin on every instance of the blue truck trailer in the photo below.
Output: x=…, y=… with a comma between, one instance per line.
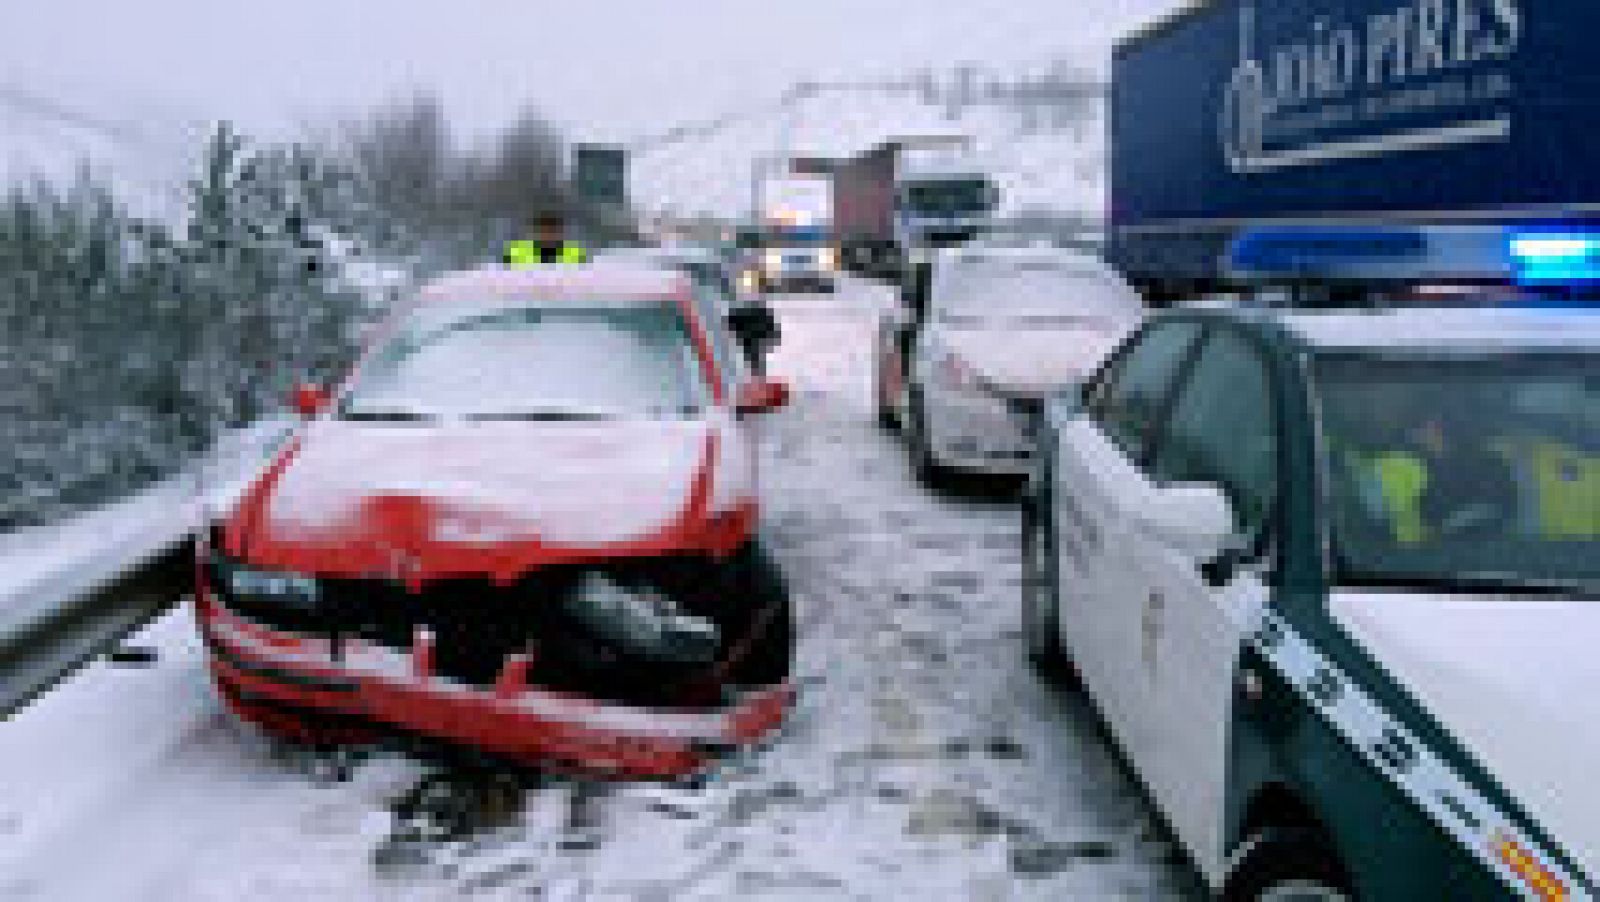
x=1236, y=114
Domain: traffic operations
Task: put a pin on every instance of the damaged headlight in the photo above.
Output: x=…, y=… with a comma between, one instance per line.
x=252, y=587
x=643, y=622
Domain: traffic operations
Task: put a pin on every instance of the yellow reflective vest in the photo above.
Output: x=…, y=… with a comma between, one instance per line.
x=1559, y=486
x=526, y=253
x=1402, y=478
x=1563, y=485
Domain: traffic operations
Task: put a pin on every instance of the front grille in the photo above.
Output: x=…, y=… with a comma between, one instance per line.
x=477, y=623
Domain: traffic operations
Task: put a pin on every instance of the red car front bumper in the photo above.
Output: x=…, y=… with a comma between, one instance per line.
x=266, y=674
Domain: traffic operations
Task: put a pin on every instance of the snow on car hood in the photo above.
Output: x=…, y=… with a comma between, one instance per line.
x=422, y=500
x=1034, y=361
x=1513, y=680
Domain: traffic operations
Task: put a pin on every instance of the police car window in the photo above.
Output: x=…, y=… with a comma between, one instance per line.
x=1129, y=396
x=1472, y=469
x=1222, y=430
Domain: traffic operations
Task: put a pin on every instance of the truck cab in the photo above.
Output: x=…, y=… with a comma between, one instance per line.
x=942, y=204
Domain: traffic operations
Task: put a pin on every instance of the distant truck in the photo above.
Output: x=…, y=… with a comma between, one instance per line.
x=905, y=195
x=1236, y=114
x=796, y=214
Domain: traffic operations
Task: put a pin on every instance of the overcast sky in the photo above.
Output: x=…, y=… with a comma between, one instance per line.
x=604, y=69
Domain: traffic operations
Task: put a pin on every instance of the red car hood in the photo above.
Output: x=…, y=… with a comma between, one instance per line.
x=422, y=501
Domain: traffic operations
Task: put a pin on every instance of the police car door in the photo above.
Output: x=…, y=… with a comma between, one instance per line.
x=1097, y=464
x=1221, y=431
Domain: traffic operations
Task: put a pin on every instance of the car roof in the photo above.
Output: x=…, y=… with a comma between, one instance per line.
x=639, y=282
x=633, y=252
x=971, y=270
x=1505, y=330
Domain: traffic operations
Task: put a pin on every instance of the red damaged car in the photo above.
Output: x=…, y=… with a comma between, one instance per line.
x=526, y=523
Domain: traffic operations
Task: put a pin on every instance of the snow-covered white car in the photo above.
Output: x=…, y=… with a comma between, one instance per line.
x=995, y=326
x=1333, y=580
x=527, y=522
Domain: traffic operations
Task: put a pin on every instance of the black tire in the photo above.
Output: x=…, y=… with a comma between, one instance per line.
x=1288, y=866
x=928, y=470
x=1041, y=586
x=769, y=658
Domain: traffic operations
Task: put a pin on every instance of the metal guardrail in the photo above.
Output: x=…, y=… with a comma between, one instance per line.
x=75, y=605
x=40, y=654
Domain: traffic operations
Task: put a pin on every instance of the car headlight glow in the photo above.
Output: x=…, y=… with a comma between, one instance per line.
x=828, y=259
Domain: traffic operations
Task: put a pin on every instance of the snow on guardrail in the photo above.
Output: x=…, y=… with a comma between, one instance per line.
x=45, y=571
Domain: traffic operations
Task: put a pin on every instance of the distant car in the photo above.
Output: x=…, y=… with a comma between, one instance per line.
x=796, y=264
x=1333, y=580
x=990, y=327
x=527, y=522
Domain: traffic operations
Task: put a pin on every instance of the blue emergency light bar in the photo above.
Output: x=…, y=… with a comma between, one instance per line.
x=1556, y=258
x=1497, y=254
x=1370, y=254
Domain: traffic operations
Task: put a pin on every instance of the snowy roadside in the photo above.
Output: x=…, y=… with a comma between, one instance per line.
x=45, y=569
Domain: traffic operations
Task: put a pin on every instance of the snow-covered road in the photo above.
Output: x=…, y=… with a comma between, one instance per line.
x=924, y=760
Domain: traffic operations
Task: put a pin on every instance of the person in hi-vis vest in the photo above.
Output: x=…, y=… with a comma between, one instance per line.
x=549, y=244
x=1437, y=477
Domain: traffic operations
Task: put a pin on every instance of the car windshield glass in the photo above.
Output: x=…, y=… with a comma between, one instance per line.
x=1470, y=470
x=949, y=196
x=547, y=362
x=1043, y=296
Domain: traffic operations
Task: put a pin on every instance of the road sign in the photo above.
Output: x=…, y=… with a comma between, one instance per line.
x=601, y=173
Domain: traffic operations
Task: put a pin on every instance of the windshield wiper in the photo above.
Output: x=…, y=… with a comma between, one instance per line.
x=538, y=416
x=387, y=416
x=686, y=410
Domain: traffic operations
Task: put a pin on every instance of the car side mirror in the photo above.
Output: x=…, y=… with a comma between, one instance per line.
x=308, y=399
x=1194, y=519
x=753, y=321
x=762, y=396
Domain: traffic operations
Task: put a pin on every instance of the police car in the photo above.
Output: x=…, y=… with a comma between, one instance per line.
x=1333, y=580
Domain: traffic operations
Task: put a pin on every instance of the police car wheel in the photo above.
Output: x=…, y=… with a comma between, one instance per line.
x=1287, y=866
